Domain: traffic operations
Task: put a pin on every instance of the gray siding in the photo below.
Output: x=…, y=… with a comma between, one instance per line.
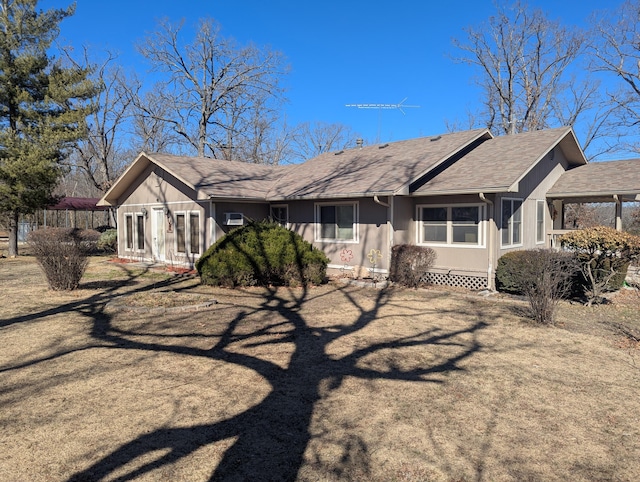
x=161, y=196
x=458, y=259
x=373, y=233
x=532, y=188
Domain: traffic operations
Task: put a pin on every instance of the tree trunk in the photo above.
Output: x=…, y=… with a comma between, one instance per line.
x=13, y=234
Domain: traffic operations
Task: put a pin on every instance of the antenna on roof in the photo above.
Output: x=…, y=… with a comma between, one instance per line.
x=399, y=106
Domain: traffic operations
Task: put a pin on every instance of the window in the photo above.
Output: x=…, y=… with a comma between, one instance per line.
x=450, y=225
x=140, y=232
x=434, y=225
x=188, y=232
x=128, y=231
x=194, y=233
x=181, y=233
x=280, y=215
x=465, y=221
x=540, y=221
x=336, y=222
x=511, y=222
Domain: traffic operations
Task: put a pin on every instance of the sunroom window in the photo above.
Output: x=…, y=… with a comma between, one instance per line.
x=450, y=224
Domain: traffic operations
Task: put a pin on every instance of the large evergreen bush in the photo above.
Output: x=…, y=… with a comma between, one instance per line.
x=262, y=253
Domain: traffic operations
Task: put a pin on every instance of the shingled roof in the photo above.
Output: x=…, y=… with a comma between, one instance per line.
x=215, y=178
x=208, y=178
x=600, y=180
x=482, y=164
x=378, y=169
x=498, y=164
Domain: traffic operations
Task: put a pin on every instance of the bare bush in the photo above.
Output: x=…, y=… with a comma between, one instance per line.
x=63, y=254
x=544, y=277
x=410, y=263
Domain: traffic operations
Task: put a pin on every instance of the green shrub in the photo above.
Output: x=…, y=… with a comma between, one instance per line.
x=409, y=264
x=263, y=254
x=507, y=269
x=63, y=254
x=108, y=241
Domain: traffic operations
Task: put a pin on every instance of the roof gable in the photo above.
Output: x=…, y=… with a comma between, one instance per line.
x=209, y=178
x=499, y=164
x=215, y=178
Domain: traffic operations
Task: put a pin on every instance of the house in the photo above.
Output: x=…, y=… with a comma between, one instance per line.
x=469, y=195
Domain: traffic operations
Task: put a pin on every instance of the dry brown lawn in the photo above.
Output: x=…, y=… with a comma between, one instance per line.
x=325, y=384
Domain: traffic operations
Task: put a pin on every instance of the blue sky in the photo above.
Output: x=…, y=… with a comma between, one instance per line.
x=340, y=51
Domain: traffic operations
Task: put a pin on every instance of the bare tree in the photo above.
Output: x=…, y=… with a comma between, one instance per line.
x=101, y=156
x=525, y=62
x=615, y=50
x=207, y=80
x=313, y=139
x=150, y=132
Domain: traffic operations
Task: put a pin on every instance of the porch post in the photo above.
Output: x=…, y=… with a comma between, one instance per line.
x=558, y=220
x=618, y=212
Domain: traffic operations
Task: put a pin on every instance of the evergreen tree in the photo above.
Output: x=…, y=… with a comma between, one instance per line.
x=43, y=106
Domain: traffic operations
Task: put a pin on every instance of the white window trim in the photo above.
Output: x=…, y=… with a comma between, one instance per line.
x=286, y=206
x=187, y=233
x=450, y=244
x=511, y=244
x=544, y=221
x=356, y=224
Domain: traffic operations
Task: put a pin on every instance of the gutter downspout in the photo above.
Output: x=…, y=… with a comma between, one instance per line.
x=490, y=242
x=376, y=199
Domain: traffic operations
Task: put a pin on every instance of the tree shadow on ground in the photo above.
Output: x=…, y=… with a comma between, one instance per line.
x=270, y=438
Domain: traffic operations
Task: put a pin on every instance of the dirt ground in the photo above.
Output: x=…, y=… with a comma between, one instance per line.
x=325, y=384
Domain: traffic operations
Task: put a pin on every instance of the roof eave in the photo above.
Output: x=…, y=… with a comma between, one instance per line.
x=110, y=198
x=635, y=194
x=460, y=192
x=316, y=197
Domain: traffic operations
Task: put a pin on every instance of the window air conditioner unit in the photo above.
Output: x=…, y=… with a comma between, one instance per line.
x=234, y=219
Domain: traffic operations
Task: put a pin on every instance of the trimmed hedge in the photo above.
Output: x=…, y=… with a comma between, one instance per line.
x=262, y=254
x=507, y=270
x=409, y=263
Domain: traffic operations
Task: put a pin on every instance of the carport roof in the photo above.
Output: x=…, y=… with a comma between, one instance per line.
x=599, y=181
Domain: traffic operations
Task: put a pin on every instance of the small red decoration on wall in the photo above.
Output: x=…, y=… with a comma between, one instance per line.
x=346, y=255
